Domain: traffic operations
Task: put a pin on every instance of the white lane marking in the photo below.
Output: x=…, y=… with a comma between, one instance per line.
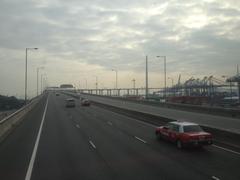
x=225, y=149
x=140, y=139
x=77, y=126
x=215, y=178
x=110, y=123
x=92, y=144
x=31, y=164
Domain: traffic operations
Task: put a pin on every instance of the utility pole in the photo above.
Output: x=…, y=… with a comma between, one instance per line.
x=165, y=75
x=146, y=91
x=116, y=71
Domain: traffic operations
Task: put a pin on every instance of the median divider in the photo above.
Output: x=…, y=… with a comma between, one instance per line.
x=221, y=136
x=8, y=123
x=214, y=110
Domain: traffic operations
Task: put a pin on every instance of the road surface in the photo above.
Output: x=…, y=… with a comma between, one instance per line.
x=219, y=122
x=88, y=143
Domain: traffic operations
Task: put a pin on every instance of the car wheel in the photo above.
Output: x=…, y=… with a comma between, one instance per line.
x=179, y=144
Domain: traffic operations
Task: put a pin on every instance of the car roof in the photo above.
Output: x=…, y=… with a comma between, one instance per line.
x=183, y=123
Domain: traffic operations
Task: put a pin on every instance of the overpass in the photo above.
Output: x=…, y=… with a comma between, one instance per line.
x=46, y=140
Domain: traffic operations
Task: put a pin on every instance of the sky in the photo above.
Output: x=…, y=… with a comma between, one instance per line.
x=80, y=41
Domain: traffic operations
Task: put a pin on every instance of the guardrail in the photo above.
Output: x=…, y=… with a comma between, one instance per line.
x=9, y=122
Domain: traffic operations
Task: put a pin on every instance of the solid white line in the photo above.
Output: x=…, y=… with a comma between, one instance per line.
x=215, y=178
x=92, y=144
x=30, y=166
x=225, y=149
x=140, y=139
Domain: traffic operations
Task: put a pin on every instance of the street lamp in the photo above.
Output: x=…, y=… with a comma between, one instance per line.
x=26, y=72
x=116, y=77
x=42, y=82
x=146, y=86
x=165, y=73
x=39, y=68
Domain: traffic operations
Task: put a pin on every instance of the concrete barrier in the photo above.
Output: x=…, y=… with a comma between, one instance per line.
x=8, y=123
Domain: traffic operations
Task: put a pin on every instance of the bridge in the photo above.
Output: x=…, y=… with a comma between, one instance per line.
x=113, y=137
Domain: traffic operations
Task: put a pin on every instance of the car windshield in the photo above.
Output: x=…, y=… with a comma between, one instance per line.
x=192, y=128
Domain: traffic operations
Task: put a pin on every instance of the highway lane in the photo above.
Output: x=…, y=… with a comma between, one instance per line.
x=225, y=123
x=16, y=150
x=94, y=143
x=208, y=161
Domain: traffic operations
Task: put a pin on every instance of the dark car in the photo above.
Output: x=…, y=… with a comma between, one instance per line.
x=70, y=102
x=85, y=102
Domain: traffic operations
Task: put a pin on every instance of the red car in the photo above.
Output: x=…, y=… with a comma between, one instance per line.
x=184, y=134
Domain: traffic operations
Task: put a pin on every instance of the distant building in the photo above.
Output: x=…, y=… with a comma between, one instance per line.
x=66, y=86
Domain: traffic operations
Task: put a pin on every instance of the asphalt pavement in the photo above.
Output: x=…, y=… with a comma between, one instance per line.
x=214, y=121
x=55, y=142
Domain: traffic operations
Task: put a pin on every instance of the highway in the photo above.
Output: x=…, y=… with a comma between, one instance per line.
x=88, y=143
x=219, y=122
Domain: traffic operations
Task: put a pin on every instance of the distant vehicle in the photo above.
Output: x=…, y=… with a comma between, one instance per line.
x=85, y=102
x=57, y=94
x=70, y=102
x=184, y=134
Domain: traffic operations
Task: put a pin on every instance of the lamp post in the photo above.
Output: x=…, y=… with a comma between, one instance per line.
x=26, y=72
x=39, y=68
x=116, y=86
x=42, y=75
x=146, y=86
x=165, y=74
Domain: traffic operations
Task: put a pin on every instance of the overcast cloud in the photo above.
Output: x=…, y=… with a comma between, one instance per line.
x=81, y=39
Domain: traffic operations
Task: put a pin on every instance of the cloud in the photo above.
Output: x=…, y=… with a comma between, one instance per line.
x=76, y=37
